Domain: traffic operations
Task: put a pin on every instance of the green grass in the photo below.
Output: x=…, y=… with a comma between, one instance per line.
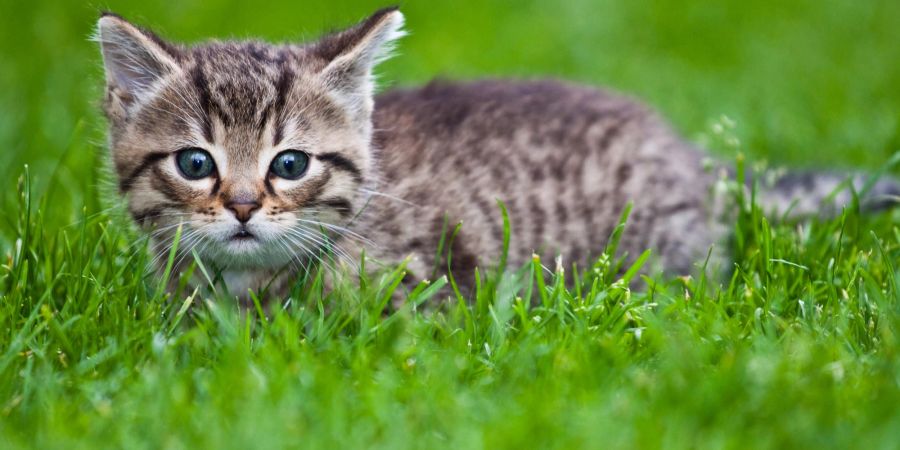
x=800, y=347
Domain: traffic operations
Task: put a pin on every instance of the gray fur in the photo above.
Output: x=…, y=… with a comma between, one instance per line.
x=388, y=172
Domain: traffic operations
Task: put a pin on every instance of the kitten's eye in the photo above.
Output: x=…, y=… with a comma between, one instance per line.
x=290, y=164
x=195, y=163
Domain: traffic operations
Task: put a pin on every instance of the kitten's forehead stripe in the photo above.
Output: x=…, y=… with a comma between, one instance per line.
x=278, y=133
x=243, y=80
x=282, y=88
x=202, y=87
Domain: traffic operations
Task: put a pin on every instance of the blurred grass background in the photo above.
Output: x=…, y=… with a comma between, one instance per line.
x=809, y=83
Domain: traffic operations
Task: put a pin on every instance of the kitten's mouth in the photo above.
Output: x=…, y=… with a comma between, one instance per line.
x=243, y=235
x=242, y=242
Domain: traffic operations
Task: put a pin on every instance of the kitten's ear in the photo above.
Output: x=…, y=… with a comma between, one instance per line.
x=134, y=59
x=350, y=55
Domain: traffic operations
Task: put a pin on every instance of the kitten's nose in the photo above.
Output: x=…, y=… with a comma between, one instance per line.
x=243, y=210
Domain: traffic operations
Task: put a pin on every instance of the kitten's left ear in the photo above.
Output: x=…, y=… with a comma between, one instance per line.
x=351, y=54
x=134, y=59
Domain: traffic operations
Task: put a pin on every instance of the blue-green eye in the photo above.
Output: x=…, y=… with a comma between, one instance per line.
x=195, y=163
x=290, y=164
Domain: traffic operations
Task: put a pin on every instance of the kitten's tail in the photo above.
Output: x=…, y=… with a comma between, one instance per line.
x=813, y=194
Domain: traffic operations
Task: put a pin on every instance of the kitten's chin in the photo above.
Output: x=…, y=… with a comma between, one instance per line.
x=243, y=246
x=245, y=253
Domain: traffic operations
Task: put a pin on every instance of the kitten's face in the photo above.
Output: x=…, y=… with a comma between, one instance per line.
x=251, y=170
x=254, y=150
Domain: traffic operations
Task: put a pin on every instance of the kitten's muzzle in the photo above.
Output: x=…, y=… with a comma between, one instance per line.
x=243, y=211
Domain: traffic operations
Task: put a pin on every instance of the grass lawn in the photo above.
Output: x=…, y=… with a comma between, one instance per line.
x=799, y=347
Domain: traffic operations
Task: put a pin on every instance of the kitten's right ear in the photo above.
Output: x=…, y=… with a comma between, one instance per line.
x=134, y=59
x=350, y=55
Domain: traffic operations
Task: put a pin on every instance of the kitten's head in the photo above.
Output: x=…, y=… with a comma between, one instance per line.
x=251, y=147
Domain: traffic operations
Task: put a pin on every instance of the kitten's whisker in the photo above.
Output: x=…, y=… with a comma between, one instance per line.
x=154, y=236
x=192, y=105
x=167, y=112
x=170, y=214
x=310, y=241
x=189, y=247
x=164, y=252
x=341, y=230
x=320, y=246
x=304, y=257
x=323, y=240
x=388, y=196
x=292, y=260
x=163, y=230
x=309, y=253
x=182, y=112
x=169, y=225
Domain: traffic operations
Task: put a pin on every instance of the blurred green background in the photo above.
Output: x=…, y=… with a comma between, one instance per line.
x=809, y=83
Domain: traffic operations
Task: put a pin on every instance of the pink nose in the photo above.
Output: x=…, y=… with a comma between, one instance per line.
x=243, y=211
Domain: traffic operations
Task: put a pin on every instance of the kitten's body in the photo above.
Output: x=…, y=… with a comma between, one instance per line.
x=385, y=176
x=564, y=159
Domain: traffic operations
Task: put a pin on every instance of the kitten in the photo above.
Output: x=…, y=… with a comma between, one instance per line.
x=265, y=155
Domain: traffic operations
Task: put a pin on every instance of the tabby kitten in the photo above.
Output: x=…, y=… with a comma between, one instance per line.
x=266, y=155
